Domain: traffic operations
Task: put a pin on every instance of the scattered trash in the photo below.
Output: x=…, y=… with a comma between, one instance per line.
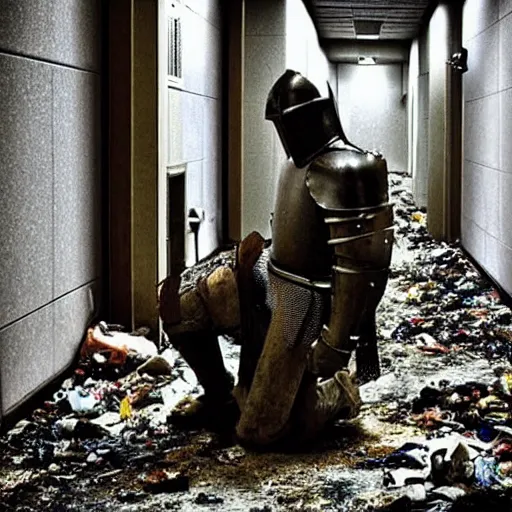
x=157, y=365
x=131, y=496
x=436, y=427
x=104, y=340
x=125, y=409
x=416, y=493
x=231, y=455
x=54, y=468
x=164, y=481
x=109, y=474
x=447, y=493
x=21, y=429
x=419, y=217
x=208, y=499
x=402, y=476
x=82, y=401
x=92, y=458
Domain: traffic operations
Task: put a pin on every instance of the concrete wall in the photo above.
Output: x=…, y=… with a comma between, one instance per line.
x=49, y=188
x=445, y=118
x=372, y=111
x=279, y=34
x=194, y=120
x=303, y=52
x=487, y=169
x=265, y=61
x=420, y=149
x=412, y=107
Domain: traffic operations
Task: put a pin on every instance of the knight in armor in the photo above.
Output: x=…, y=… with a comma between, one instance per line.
x=305, y=307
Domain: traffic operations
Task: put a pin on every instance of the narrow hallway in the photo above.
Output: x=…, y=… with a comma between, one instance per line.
x=203, y=203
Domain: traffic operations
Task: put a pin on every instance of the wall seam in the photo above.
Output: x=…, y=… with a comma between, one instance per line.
x=486, y=95
x=504, y=16
x=53, y=301
x=501, y=242
x=10, y=53
x=179, y=89
x=52, y=137
x=486, y=166
x=482, y=31
x=487, y=233
x=202, y=17
x=500, y=113
x=476, y=223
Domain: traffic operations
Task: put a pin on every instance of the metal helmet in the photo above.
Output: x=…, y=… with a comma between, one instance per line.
x=306, y=122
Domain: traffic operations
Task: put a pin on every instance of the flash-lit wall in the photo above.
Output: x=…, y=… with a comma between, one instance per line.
x=194, y=120
x=419, y=109
x=487, y=170
x=373, y=109
x=50, y=188
x=279, y=34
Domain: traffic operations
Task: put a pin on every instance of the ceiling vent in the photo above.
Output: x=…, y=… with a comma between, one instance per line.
x=174, y=47
x=367, y=29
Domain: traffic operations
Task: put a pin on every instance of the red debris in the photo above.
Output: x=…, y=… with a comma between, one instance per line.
x=166, y=481
x=117, y=355
x=435, y=348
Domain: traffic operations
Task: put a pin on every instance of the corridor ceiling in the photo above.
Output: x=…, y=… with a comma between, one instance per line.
x=391, y=19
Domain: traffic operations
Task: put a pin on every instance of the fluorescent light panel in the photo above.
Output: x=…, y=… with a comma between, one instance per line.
x=367, y=36
x=366, y=61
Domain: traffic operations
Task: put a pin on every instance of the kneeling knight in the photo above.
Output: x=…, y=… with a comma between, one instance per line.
x=305, y=305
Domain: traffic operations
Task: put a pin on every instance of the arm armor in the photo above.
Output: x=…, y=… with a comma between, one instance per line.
x=352, y=192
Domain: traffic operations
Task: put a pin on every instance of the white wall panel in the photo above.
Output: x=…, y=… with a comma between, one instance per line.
x=481, y=134
x=479, y=15
x=487, y=172
x=505, y=57
x=279, y=35
x=372, y=111
x=50, y=191
x=483, y=65
x=194, y=119
x=505, y=7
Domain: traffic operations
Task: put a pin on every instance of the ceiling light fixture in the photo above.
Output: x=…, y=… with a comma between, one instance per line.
x=366, y=61
x=367, y=36
x=367, y=29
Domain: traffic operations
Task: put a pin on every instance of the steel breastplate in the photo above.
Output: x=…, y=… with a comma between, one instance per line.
x=299, y=233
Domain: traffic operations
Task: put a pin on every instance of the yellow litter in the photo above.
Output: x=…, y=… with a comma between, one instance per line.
x=125, y=408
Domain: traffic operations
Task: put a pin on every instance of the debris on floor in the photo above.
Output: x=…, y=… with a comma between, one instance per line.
x=434, y=434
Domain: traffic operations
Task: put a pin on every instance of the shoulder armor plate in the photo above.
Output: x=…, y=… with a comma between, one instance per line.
x=344, y=179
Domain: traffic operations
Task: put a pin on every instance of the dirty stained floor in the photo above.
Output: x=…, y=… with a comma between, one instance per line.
x=440, y=324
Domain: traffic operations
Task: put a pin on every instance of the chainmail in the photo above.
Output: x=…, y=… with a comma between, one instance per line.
x=191, y=276
x=303, y=309
x=260, y=273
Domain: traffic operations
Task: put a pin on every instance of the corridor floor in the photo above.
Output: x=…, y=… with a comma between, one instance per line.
x=446, y=388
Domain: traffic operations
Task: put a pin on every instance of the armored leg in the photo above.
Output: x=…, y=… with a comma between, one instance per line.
x=208, y=307
x=321, y=402
x=202, y=353
x=297, y=315
x=252, y=283
x=367, y=354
